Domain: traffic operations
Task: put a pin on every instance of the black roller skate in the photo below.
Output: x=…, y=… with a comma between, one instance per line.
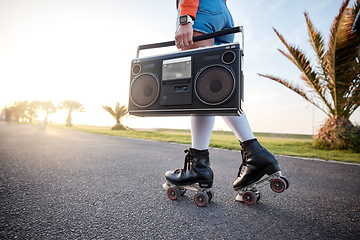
x=256, y=163
x=196, y=176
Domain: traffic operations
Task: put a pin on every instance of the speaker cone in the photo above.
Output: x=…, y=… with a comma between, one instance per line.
x=144, y=90
x=214, y=84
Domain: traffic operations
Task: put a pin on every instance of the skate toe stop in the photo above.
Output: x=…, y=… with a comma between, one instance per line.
x=239, y=198
x=166, y=186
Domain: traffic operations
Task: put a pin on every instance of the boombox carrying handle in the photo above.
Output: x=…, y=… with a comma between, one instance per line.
x=195, y=39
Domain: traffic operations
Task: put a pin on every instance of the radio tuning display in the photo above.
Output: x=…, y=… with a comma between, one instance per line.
x=177, y=68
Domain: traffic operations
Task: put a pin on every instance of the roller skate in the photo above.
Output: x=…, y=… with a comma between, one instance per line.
x=196, y=176
x=256, y=163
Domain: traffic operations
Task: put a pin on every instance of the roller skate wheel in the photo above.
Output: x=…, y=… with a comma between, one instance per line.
x=286, y=181
x=201, y=199
x=278, y=185
x=173, y=193
x=210, y=193
x=249, y=197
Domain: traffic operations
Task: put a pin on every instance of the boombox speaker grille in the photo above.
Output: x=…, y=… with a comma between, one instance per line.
x=214, y=84
x=144, y=90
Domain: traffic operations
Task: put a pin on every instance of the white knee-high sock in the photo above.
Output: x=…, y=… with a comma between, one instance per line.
x=201, y=129
x=240, y=127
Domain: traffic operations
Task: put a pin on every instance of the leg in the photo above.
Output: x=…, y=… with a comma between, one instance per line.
x=256, y=160
x=240, y=127
x=201, y=128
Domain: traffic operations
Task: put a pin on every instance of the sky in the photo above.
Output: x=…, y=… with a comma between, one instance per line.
x=82, y=49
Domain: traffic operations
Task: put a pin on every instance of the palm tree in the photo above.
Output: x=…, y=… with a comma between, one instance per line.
x=119, y=114
x=333, y=84
x=48, y=107
x=71, y=106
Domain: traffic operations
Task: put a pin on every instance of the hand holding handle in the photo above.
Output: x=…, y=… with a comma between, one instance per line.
x=195, y=39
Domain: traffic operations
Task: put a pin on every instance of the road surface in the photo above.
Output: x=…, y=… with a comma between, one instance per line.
x=60, y=184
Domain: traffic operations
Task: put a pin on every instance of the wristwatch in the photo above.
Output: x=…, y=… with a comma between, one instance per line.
x=185, y=19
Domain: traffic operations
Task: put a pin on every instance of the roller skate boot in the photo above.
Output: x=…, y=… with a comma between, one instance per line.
x=196, y=176
x=256, y=163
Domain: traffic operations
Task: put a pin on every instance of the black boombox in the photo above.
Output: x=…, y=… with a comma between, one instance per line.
x=207, y=81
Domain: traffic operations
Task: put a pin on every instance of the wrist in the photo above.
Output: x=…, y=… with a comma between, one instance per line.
x=186, y=19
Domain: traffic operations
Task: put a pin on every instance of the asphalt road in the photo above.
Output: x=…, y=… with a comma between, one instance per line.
x=59, y=184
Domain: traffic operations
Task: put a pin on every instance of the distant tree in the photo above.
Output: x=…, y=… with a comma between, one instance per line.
x=71, y=106
x=46, y=106
x=32, y=111
x=333, y=85
x=7, y=112
x=19, y=111
x=119, y=114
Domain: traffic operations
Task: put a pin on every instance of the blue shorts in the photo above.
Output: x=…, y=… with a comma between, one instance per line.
x=213, y=16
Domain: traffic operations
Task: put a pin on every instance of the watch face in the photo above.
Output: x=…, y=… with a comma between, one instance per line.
x=183, y=19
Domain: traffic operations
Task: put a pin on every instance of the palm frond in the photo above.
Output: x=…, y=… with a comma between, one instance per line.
x=310, y=77
x=317, y=42
x=121, y=112
x=336, y=84
x=353, y=99
x=299, y=91
x=356, y=10
x=343, y=54
x=332, y=56
x=109, y=110
x=72, y=105
x=301, y=61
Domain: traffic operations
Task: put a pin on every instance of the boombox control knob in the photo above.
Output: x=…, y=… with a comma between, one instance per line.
x=136, y=69
x=228, y=57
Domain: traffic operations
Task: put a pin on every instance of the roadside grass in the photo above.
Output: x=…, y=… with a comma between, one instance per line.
x=280, y=144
